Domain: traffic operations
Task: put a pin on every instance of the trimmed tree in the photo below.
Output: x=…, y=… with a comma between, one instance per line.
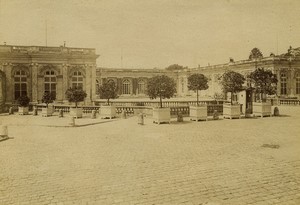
x=197, y=82
x=75, y=95
x=264, y=81
x=48, y=97
x=175, y=67
x=23, y=101
x=108, y=90
x=232, y=82
x=255, y=54
x=162, y=87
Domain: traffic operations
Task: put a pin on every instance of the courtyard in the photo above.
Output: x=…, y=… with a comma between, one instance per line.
x=234, y=162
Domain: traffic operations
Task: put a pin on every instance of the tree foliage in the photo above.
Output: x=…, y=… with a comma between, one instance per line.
x=264, y=81
x=255, y=54
x=108, y=90
x=23, y=100
x=232, y=82
x=197, y=82
x=162, y=87
x=48, y=97
x=175, y=67
x=75, y=95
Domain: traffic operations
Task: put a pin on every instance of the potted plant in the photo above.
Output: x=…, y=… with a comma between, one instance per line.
x=265, y=83
x=232, y=82
x=108, y=90
x=162, y=87
x=75, y=95
x=23, y=102
x=48, y=97
x=198, y=82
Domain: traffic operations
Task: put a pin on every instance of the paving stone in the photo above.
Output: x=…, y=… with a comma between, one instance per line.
x=118, y=162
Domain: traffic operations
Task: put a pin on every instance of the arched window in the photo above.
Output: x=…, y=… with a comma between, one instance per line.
x=283, y=83
x=50, y=82
x=20, y=79
x=298, y=83
x=77, y=80
x=141, y=87
x=126, y=87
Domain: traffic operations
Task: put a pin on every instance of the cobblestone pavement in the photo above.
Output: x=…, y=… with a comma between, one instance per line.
x=120, y=162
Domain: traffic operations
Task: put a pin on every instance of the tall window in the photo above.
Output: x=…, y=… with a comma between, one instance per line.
x=77, y=80
x=182, y=85
x=141, y=87
x=283, y=84
x=97, y=87
x=126, y=87
x=20, y=79
x=298, y=83
x=50, y=82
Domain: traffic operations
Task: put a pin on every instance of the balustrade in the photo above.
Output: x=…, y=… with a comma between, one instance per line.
x=289, y=102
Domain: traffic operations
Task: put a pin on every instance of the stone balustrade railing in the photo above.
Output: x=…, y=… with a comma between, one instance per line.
x=168, y=103
x=289, y=101
x=132, y=110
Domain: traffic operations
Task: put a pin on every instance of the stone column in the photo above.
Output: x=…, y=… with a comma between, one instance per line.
x=9, y=83
x=278, y=74
x=291, y=82
x=88, y=83
x=93, y=82
x=34, y=82
x=65, y=81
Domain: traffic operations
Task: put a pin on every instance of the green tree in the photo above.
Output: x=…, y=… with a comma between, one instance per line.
x=162, y=87
x=232, y=82
x=197, y=82
x=264, y=81
x=48, y=97
x=108, y=90
x=75, y=95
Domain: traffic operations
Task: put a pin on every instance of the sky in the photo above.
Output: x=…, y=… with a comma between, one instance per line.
x=155, y=33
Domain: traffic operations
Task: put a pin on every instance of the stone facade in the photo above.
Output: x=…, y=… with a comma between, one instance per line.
x=131, y=83
x=285, y=66
x=33, y=70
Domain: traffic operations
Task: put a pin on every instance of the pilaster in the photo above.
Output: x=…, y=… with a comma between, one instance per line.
x=9, y=84
x=93, y=82
x=88, y=83
x=34, y=82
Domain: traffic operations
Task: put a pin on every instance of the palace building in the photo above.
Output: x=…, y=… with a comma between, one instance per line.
x=33, y=70
x=132, y=82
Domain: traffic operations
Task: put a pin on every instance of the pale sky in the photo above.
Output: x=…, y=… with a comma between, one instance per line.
x=155, y=33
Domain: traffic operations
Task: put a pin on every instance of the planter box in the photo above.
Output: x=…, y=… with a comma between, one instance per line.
x=262, y=109
x=23, y=110
x=231, y=111
x=76, y=112
x=46, y=112
x=161, y=115
x=198, y=112
x=108, y=111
